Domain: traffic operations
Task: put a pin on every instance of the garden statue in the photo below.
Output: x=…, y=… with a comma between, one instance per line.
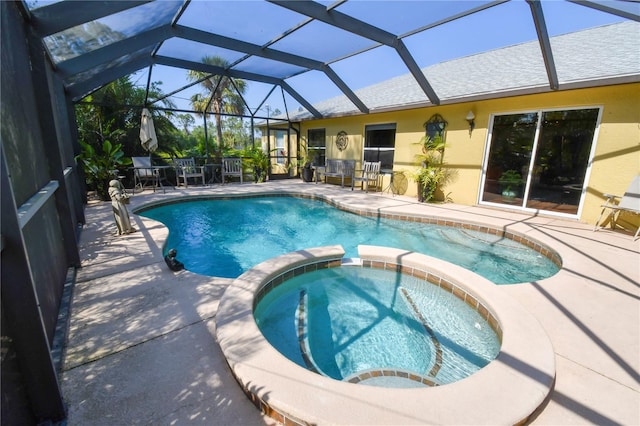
x=173, y=263
x=119, y=201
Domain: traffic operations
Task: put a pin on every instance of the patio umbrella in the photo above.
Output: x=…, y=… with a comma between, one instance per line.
x=148, y=132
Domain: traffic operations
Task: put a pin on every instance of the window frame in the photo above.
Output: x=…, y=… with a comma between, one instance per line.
x=380, y=150
x=534, y=154
x=320, y=150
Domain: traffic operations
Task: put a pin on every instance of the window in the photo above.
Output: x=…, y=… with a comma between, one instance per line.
x=380, y=144
x=538, y=160
x=317, y=146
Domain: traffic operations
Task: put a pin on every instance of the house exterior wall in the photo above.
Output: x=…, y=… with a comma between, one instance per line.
x=617, y=146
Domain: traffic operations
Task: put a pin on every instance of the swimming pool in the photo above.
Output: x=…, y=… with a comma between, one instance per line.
x=376, y=327
x=225, y=237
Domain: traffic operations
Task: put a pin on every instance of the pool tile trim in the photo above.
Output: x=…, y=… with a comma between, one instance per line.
x=537, y=246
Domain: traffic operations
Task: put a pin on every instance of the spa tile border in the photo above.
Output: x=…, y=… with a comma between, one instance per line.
x=427, y=277
x=538, y=247
x=370, y=374
x=421, y=274
x=269, y=285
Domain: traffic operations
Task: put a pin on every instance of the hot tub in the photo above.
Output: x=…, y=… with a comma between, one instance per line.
x=509, y=390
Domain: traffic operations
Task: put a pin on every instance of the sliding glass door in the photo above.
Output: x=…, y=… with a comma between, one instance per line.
x=538, y=160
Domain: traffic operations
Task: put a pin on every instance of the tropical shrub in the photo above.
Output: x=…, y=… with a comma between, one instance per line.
x=101, y=165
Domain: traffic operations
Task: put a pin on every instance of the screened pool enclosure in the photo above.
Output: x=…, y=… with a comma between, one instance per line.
x=300, y=61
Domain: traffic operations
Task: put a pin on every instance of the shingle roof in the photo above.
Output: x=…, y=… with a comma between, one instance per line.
x=598, y=56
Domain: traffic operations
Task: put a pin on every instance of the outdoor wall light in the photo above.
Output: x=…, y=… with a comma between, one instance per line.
x=470, y=119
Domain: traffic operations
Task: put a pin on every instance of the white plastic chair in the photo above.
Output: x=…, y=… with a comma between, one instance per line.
x=629, y=202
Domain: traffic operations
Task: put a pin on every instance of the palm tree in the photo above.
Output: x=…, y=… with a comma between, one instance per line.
x=223, y=95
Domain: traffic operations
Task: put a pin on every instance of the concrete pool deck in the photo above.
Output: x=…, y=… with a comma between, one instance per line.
x=141, y=344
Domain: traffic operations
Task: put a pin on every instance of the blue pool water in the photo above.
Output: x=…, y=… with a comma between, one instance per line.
x=224, y=238
x=360, y=319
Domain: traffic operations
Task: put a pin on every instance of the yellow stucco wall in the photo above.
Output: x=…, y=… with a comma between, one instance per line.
x=617, y=151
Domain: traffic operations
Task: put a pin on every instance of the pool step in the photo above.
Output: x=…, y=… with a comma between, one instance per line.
x=303, y=335
x=434, y=340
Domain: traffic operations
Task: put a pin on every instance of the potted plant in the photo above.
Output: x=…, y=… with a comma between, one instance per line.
x=307, y=159
x=432, y=174
x=101, y=165
x=510, y=181
x=428, y=179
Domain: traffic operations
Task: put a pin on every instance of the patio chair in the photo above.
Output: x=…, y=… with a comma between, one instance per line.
x=186, y=169
x=370, y=173
x=144, y=173
x=231, y=167
x=629, y=202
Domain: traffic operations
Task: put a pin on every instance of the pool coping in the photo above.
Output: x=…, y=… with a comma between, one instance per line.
x=509, y=390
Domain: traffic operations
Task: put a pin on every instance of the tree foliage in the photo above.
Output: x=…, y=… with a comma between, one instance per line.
x=114, y=113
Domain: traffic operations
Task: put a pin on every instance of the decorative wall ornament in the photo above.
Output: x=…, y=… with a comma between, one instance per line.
x=342, y=139
x=435, y=126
